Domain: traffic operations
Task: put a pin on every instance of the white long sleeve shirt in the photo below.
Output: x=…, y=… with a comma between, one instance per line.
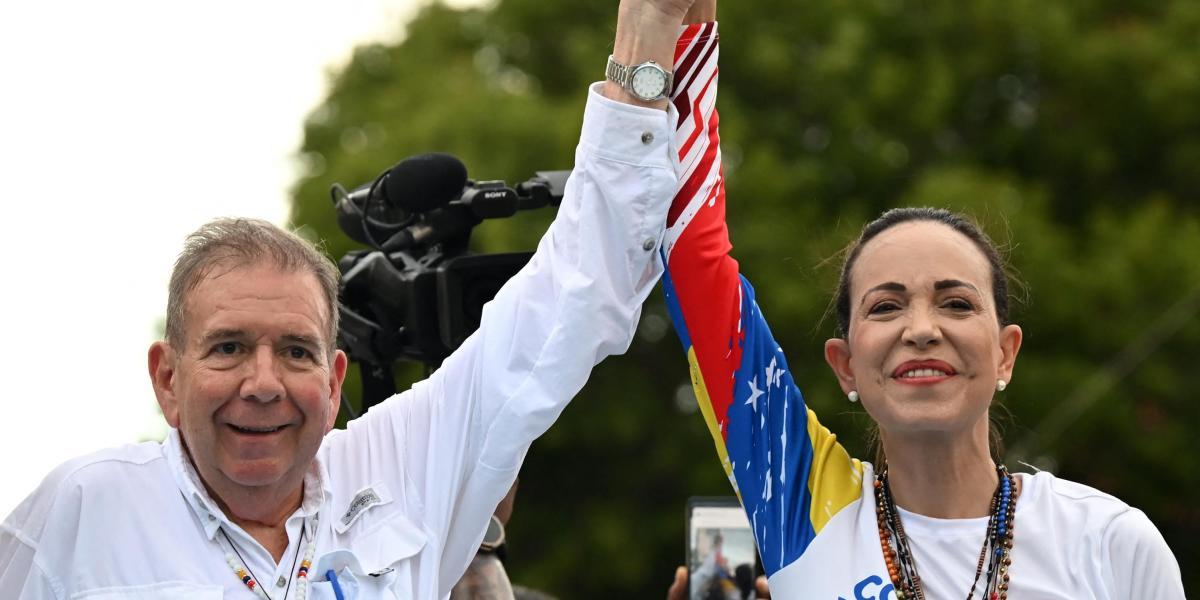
x=399, y=501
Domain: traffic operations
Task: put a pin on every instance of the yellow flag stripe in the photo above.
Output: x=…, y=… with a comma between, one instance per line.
x=835, y=479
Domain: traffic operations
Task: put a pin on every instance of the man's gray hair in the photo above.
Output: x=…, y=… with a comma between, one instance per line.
x=239, y=243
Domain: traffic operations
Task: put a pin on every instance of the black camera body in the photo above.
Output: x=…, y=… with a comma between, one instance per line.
x=395, y=307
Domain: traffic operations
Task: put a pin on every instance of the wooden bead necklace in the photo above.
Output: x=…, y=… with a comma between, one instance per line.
x=997, y=543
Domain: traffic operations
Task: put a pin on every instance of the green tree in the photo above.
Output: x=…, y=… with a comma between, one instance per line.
x=1072, y=131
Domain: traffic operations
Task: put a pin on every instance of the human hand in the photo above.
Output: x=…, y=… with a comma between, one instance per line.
x=678, y=589
x=646, y=31
x=668, y=9
x=702, y=11
x=761, y=589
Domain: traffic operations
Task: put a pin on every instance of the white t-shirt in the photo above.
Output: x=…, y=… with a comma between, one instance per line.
x=1069, y=542
x=402, y=497
x=810, y=504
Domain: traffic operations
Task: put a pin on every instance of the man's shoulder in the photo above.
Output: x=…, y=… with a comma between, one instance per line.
x=101, y=466
x=108, y=473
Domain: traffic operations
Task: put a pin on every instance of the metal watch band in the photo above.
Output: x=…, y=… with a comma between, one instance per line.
x=622, y=75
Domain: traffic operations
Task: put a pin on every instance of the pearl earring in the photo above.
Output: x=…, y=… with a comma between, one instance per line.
x=853, y=396
x=1001, y=385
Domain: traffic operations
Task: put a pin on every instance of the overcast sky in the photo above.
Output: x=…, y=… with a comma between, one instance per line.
x=124, y=125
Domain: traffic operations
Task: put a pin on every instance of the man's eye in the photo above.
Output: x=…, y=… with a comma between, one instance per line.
x=226, y=348
x=298, y=353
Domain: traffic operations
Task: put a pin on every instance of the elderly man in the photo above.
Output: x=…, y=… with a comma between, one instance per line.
x=252, y=495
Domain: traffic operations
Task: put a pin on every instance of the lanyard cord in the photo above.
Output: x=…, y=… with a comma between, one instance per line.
x=259, y=587
x=295, y=559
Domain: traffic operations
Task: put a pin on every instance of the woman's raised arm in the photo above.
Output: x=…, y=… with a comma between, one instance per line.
x=790, y=472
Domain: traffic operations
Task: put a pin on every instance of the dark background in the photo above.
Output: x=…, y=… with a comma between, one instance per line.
x=1071, y=131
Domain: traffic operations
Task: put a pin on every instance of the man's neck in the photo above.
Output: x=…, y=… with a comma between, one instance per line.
x=261, y=511
x=264, y=519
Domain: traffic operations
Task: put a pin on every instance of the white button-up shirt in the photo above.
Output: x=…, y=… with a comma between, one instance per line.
x=401, y=498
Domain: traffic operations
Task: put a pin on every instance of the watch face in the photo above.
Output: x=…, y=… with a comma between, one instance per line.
x=648, y=83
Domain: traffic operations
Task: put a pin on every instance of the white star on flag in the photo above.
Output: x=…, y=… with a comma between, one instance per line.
x=754, y=394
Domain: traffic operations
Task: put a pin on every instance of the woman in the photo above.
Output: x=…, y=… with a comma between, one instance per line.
x=925, y=345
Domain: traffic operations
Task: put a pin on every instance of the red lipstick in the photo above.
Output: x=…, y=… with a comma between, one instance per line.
x=923, y=372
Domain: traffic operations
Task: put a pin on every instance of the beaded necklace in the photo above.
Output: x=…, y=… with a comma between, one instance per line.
x=241, y=568
x=997, y=543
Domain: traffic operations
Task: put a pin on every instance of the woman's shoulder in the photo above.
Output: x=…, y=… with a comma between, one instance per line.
x=1076, y=531
x=1082, y=506
x=1101, y=528
x=1083, y=515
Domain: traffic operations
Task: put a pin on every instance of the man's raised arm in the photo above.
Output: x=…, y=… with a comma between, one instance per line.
x=456, y=441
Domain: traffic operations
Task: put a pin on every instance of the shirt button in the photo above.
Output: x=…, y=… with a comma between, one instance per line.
x=211, y=518
x=647, y=137
x=648, y=245
x=280, y=582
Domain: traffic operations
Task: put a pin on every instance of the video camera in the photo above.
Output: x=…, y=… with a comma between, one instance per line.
x=417, y=292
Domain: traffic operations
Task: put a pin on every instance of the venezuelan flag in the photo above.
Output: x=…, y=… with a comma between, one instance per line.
x=789, y=471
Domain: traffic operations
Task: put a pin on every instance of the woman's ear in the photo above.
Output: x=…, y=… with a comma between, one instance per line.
x=837, y=354
x=1010, y=346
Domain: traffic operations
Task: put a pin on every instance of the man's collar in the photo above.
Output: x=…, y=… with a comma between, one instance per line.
x=209, y=513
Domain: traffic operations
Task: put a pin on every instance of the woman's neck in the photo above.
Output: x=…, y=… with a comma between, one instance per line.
x=946, y=477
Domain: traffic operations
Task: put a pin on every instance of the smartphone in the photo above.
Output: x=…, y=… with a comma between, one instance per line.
x=722, y=558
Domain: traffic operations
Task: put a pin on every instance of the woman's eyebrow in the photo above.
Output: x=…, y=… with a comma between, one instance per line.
x=946, y=284
x=890, y=286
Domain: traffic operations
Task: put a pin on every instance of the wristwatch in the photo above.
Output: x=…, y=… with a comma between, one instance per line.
x=647, y=82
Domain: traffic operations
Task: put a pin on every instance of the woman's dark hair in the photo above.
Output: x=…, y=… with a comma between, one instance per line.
x=952, y=220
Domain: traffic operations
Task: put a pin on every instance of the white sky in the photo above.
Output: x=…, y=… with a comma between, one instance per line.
x=124, y=125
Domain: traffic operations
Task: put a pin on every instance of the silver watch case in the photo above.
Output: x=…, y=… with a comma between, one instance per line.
x=647, y=81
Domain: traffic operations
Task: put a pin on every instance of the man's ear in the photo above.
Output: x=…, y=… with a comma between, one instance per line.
x=337, y=375
x=161, y=361
x=837, y=354
x=1010, y=345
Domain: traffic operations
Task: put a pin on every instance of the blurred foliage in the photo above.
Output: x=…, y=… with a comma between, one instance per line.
x=1070, y=130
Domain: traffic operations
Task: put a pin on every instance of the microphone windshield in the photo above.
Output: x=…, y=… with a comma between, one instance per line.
x=424, y=182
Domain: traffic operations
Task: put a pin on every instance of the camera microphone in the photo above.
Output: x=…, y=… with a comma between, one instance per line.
x=424, y=182
x=380, y=209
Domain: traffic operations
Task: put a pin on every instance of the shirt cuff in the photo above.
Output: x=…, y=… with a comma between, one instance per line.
x=626, y=133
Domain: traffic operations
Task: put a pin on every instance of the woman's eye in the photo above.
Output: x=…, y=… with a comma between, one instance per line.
x=883, y=308
x=959, y=304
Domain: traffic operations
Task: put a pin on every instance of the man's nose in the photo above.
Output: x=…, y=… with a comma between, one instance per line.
x=263, y=382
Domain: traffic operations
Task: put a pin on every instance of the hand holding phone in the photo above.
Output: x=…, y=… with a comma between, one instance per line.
x=722, y=559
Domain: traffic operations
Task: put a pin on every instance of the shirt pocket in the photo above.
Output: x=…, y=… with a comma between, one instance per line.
x=378, y=565
x=174, y=590
x=388, y=544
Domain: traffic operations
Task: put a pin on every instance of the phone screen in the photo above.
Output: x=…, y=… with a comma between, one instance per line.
x=721, y=556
